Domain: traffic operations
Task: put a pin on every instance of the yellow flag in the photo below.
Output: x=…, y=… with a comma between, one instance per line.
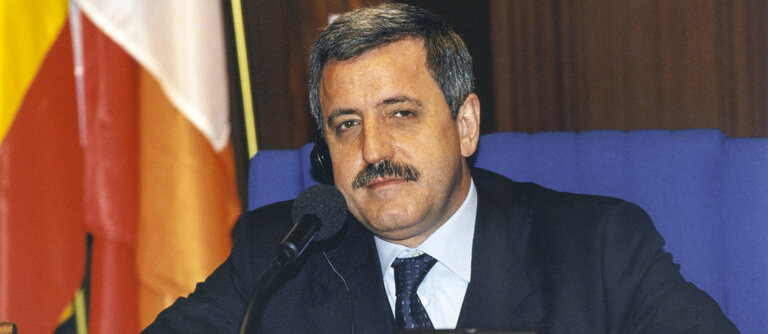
x=27, y=31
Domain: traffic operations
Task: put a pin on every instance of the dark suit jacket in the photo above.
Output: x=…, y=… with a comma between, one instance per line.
x=542, y=260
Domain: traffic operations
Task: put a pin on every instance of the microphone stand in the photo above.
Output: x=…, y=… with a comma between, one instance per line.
x=260, y=287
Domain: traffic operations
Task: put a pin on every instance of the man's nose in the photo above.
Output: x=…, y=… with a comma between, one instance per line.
x=377, y=144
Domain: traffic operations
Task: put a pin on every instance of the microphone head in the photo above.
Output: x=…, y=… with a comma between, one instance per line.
x=325, y=202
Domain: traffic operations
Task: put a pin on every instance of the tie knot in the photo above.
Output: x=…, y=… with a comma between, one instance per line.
x=409, y=272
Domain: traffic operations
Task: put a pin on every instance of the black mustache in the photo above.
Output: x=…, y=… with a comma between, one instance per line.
x=385, y=168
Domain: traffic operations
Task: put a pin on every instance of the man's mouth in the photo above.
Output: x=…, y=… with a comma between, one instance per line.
x=383, y=182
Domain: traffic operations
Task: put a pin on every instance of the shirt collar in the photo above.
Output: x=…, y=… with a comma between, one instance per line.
x=450, y=244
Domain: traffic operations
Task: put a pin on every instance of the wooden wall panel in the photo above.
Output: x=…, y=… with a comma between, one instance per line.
x=602, y=64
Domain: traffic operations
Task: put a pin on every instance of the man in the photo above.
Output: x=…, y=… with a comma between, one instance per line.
x=431, y=242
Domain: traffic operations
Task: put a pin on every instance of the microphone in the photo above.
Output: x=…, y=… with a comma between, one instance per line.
x=318, y=214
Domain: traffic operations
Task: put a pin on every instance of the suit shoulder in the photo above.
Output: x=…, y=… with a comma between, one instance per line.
x=267, y=222
x=537, y=197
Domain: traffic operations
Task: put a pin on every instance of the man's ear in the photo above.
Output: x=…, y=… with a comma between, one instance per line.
x=468, y=122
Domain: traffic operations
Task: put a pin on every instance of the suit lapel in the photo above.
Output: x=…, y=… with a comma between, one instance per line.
x=503, y=292
x=358, y=299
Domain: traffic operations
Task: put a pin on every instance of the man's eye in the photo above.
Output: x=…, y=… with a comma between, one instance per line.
x=346, y=125
x=403, y=113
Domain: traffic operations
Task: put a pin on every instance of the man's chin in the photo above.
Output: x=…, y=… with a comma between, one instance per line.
x=394, y=229
x=384, y=227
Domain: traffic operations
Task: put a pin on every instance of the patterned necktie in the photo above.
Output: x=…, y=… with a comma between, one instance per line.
x=409, y=272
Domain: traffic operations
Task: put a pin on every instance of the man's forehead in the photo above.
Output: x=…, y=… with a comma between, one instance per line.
x=409, y=44
x=383, y=67
x=405, y=41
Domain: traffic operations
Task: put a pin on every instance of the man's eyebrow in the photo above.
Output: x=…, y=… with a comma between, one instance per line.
x=399, y=99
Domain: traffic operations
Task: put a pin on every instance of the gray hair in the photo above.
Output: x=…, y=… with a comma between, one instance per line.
x=356, y=32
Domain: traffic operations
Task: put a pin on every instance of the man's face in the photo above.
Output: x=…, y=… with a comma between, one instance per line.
x=383, y=109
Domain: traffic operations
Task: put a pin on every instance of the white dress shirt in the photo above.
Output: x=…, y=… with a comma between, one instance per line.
x=442, y=290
